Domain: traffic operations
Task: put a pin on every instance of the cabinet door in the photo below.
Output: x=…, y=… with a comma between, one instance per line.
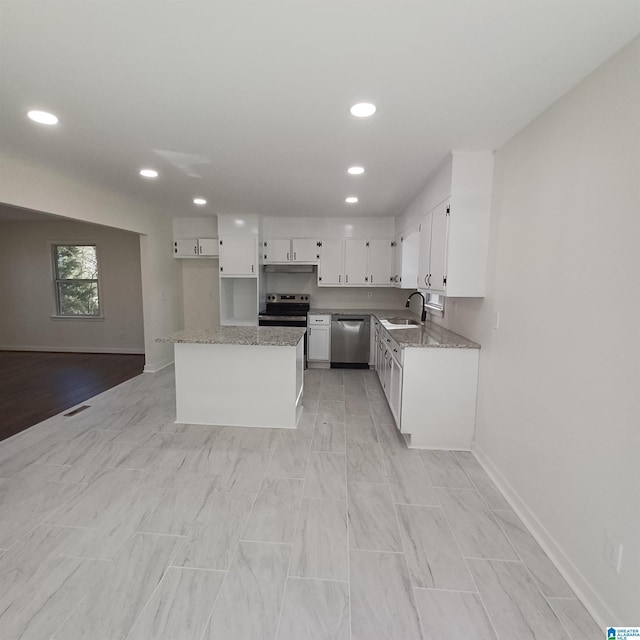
x=409, y=260
x=185, y=248
x=331, y=269
x=208, y=247
x=424, y=258
x=318, y=347
x=380, y=262
x=438, y=256
x=397, y=261
x=395, y=389
x=305, y=250
x=355, y=262
x=238, y=256
x=276, y=250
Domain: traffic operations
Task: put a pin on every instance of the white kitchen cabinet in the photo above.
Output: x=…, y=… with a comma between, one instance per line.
x=356, y=254
x=185, y=248
x=319, y=338
x=285, y=250
x=276, y=250
x=331, y=266
x=238, y=256
x=305, y=250
x=208, y=247
x=394, y=394
x=432, y=271
x=431, y=392
x=379, y=260
x=195, y=247
x=406, y=252
x=454, y=247
x=355, y=262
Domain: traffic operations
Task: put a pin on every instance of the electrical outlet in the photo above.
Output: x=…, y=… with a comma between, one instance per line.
x=612, y=553
x=496, y=321
x=369, y=294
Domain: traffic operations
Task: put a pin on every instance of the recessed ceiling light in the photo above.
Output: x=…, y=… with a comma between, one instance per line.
x=363, y=109
x=355, y=171
x=148, y=173
x=199, y=201
x=351, y=200
x=43, y=117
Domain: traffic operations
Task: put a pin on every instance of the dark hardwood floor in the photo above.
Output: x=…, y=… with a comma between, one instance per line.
x=37, y=385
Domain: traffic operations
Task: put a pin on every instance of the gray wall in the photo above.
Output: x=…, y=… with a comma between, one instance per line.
x=27, y=292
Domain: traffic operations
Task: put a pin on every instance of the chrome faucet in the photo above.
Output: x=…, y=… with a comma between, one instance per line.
x=424, y=302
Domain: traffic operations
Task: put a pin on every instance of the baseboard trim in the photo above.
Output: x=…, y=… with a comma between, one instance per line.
x=155, y=367
x=72, y=349
x=583, y=590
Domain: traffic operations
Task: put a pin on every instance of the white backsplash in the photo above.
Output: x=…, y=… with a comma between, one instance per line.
x=335, y=297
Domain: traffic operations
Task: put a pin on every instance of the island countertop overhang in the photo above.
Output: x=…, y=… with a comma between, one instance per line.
x=245, y=336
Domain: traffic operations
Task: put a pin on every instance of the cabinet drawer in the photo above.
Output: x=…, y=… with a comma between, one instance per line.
x=318, y=319
x=394, y=348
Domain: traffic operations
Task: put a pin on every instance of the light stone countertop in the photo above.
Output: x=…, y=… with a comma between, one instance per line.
x=426, y=334
x=246, y=336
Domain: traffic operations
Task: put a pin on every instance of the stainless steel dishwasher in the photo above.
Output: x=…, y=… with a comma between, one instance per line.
x=350, y=340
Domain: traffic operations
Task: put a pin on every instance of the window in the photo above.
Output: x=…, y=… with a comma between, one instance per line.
x=76, y=280
x=435, y=303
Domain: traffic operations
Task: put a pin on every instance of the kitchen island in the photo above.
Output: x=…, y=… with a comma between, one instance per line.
x=239, y=376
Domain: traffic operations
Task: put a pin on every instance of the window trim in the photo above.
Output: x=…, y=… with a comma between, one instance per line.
x=56, y=315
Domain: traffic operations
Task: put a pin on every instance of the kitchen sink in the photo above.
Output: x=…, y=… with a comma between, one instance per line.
x=403, y=321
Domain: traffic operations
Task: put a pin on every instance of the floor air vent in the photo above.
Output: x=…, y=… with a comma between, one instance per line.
x=78, y=410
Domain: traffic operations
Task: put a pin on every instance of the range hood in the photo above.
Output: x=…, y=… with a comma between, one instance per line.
x=289, y=268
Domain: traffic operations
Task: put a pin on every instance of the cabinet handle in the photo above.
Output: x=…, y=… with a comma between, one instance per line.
x=371, y=279
x=395, y=351
x=294, y=255
x=195, y=249
x=288, y=256
x=251, y=268
x=339, y=279
x=425, y=281
x=429, y=280
x=346, y=278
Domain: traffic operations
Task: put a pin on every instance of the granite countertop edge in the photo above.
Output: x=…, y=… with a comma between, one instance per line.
x=241, y=336
x=426, y=335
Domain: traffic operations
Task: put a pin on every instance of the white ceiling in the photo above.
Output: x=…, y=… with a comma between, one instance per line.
x=246, y=103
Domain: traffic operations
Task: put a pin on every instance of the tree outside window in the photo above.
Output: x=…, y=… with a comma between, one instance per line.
x=76, y=280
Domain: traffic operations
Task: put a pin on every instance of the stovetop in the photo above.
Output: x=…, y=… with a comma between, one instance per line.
x=286, y=305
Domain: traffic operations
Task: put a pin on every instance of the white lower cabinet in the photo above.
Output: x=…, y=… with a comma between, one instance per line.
x=319, y=339
x=431, y=392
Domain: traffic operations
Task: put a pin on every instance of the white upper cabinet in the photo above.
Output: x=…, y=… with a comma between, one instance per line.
x=355, y=262
x=331, y=266
x=283, y=250
x=276, y=250
x=380, y=254
x=209, y=247
x=239, y=256
x=195, y=237
x=305, y=250
x=454, y=247
x=406, y=252
x=356, y=254
x=433, y=250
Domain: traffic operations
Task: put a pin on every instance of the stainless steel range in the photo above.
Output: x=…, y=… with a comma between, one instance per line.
x=285, y=310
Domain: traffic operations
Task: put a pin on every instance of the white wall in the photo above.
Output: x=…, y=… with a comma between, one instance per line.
x=558, y=417
x=26, y=287
x=44, y=189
